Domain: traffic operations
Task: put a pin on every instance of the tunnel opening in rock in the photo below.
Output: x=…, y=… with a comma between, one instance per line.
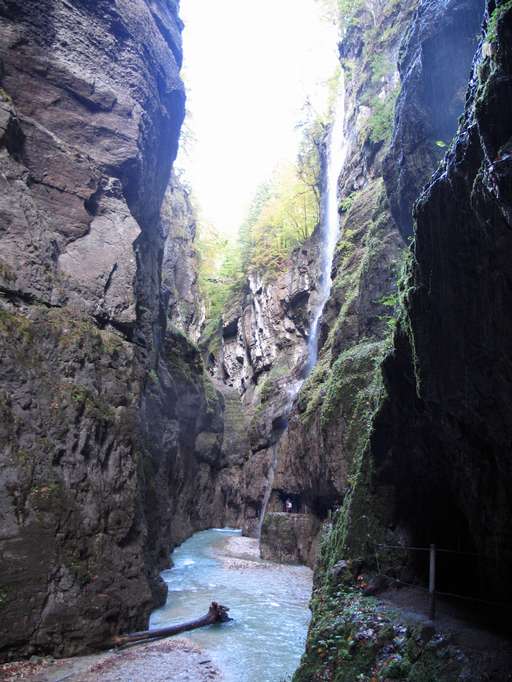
x=296, y=500
x=431, y=509
x=322, y=506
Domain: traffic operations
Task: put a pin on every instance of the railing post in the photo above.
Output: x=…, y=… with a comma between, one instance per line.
x=432, y=582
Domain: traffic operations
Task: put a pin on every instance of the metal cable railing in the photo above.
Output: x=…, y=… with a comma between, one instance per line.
x=433, y=550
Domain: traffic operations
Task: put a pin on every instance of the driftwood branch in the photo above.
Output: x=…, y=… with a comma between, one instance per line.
x=216, y=614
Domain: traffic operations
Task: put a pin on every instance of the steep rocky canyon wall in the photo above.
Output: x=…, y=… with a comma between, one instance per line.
x=107, y=417
x=434, y=465
x=444, y=421
x=317, y=459
x=309, y=456
x=257, y=360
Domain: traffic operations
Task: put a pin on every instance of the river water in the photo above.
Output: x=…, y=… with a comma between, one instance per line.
x=268, y=603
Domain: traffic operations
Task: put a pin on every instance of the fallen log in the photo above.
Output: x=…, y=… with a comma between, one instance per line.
x=216, y=614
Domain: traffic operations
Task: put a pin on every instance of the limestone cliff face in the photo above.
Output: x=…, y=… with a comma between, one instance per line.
x=433, y=466
x=445, y=421
x=317, y=459
x=106, y=413
x=179, y=266
x=314, y=459
x=257, y=362
x=433, y=66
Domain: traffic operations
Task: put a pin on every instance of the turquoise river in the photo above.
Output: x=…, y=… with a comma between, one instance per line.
x=268, y=603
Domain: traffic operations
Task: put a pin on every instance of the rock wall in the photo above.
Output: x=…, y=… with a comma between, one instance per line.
x=434, y=73
x=432, y=465
x=179, y=267
x=305, y=449
x=257, y=359
x=108, y=418
x=315, y=457
x=391, y=157
x=445, y=416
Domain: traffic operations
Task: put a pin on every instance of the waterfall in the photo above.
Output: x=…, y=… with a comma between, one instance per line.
x=337, y=147
x=336, y=153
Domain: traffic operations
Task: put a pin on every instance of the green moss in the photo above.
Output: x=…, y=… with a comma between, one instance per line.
x=90, y=403
x=353, y=638
x=22, y=457
x=495, y=19
x=268, y=386
x=182, y=357
x=313, y=390
x=346, y=203
x=380, y=67
x=6, y=272
x=211, y=338
x=4, y=96
x=379, y=126
x=211, y=395
x=350, y=375
x=349, y=67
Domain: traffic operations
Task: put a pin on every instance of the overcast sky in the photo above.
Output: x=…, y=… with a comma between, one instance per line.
x=249, y=66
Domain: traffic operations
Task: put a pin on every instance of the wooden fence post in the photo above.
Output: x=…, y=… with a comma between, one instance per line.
x=432, y=582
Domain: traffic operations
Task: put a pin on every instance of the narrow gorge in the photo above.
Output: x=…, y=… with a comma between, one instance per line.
x=333, y=382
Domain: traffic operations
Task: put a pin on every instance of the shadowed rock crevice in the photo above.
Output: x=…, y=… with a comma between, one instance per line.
x=434, y=65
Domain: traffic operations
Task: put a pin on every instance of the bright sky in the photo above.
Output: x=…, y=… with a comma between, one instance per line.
x=249, y=67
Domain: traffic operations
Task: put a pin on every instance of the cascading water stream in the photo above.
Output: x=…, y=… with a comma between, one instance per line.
x=337, y=147
x=336, y=154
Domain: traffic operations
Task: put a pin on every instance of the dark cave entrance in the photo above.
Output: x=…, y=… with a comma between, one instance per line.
x=295, y=499
x=438, y=521
x=431, y=511
x=302, y=503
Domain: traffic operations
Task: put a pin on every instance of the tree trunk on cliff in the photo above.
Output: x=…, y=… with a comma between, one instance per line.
x=216, y=614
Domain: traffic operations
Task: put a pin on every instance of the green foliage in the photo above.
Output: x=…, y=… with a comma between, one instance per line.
x=283, y=214
x=380, y=123
x=5, y=96
x=285, y=220
x=220, y=272
x=348, y=10
x=268, y=385
x=91, y=404
x=346, y=203
x=349, y=66
x=495, y=18
x=380, y=66
x=391, y=302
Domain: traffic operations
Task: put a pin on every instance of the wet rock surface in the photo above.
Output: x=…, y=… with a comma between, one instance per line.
x=435, y=65
x=106, y=410
x=448, y=383
x=432, y=466
x=256, y=364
